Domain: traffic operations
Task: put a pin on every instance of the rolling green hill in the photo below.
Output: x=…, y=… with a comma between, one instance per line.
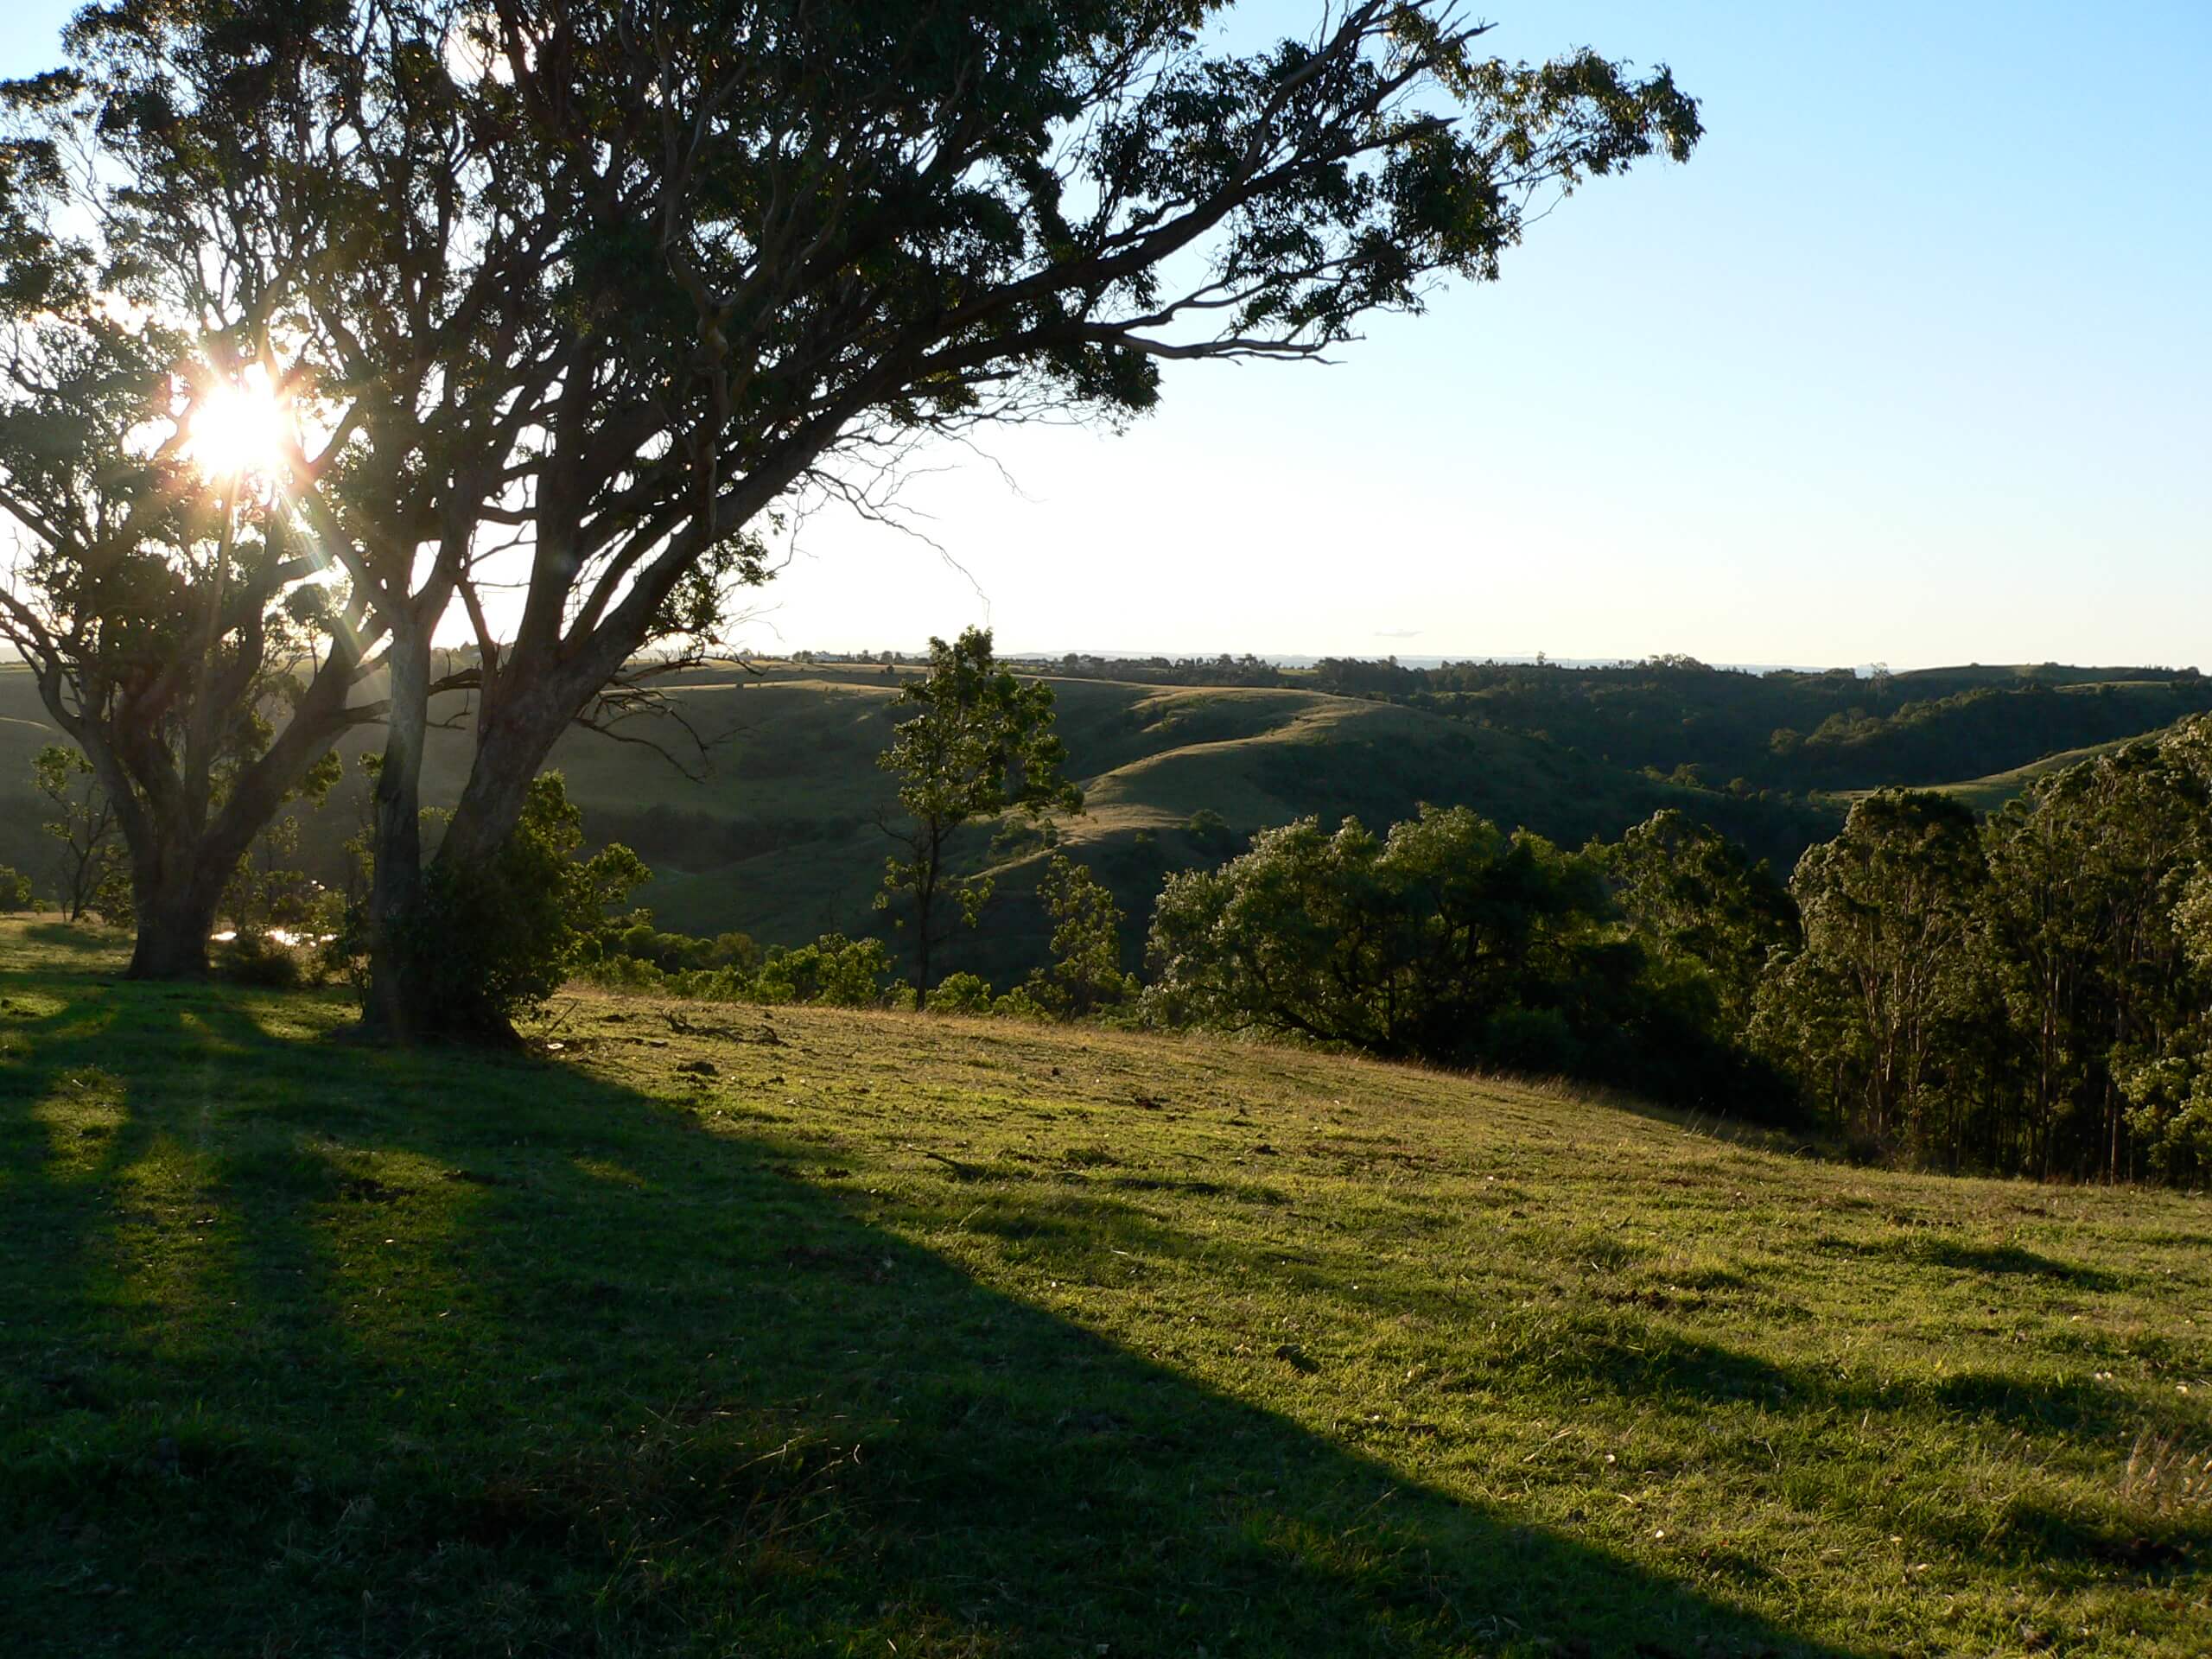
x=777, y=835
x=1990, y=793
x=811, y=1332
x=773, y=829
x=794, y=792
x=1792, y=730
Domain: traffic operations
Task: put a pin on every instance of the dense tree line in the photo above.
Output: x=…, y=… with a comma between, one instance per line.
x=1450, y=940
x=2026, y=994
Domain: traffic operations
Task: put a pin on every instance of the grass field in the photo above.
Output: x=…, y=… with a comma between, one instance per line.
x=873, y=1334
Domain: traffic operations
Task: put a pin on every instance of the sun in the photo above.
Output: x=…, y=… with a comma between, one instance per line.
x=241, y=429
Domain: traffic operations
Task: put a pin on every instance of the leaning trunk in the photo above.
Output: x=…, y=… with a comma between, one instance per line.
x=514, y=736
x=512, y=743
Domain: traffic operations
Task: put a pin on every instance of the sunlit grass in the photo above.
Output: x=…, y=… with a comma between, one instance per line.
x=899, y=1334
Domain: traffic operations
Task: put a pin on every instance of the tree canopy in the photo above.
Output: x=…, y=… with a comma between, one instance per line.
x=980, y=743
x=618, y=284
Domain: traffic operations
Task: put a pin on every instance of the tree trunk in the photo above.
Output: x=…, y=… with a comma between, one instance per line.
x=176, y=899
x=512, y=743
x=173, y=932
x=392, y=1008
x=514, y=736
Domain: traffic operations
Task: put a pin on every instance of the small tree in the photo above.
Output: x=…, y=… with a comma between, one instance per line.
x=15, y=889
x=1210, y=834
x=1086, y=973
x=982, y=744
x=505, y=933
x=86, y=831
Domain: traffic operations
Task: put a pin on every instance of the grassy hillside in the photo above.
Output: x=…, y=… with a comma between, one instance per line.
x=1990, y=793
x=794, y=790
x=1797, y=731
x=777, y=835
x=825, y=1332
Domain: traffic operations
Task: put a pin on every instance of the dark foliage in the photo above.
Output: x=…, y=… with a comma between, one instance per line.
x=496, y=936
x=1451, y=941
x=2030, y=995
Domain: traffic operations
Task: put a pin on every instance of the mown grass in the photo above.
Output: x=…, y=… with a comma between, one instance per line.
x=880, y=1334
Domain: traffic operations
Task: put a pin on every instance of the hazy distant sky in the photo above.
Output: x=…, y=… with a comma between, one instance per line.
x=1910, y=364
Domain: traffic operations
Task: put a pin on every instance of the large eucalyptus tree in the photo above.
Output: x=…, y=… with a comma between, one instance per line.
x=172, y=619
x=621, y=278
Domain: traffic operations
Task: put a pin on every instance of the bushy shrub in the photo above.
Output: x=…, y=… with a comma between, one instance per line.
x=1210, y=834
x=256, y=959
x=15, y=889
x=115, y=901
x=714, y=985
x=621, y=973
x=961, y=994
x=492, y=939
x=842, y=972
x=1017, y=1004
x=673, y=953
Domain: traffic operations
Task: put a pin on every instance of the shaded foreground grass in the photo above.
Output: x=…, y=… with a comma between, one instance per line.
x=882, y=1334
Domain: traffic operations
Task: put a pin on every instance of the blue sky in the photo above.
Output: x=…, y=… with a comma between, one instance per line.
x=1910, y=364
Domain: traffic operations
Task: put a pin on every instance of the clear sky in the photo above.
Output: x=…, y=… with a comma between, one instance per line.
x=1912, y=363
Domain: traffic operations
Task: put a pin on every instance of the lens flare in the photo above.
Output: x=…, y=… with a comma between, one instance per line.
x=240, y=430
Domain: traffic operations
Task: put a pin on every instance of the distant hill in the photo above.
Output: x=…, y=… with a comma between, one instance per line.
x=777, y=834
x=1990, y=794
x=781, y=841
x=1799, y=732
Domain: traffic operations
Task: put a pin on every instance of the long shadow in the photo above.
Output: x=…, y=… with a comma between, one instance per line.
x=572, y=1371
x=1994, y=1261
x=1675, y=1369
x=67, y=936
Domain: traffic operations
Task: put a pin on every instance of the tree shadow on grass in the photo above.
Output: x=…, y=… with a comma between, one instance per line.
x=1999, y=1261
x=1600, y=1345
x=434, y=1353
x=1698, y=1379
x=2006, y=1261
x=76, y=940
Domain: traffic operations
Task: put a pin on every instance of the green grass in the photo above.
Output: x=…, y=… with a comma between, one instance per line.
x=1990, y=794
x=882, y=1334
